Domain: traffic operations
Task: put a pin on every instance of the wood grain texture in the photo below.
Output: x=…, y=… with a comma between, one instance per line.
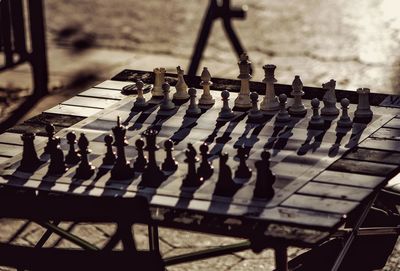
x=371, y=155
x=351, y=179
x=363, y=167
x=336, y=191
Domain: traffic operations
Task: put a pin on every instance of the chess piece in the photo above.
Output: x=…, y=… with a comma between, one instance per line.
x=243, y=99
x=297, y=107
x=140, y=100
x=226, y=111
x=72, y=156
x=152, y=173
x=363, y=110
x=121, y=169
x=30, y=161
x=243, y=171
x=166, y=104
x=345, y=121
x=316, y=120
x=254, y=113
x=225, y=182
x=206, y=169
x=50, y=130
x=206, y=98
x=159, y=79
x=57, y=163
x=283, y=115
x=109, y=157
x=193, y=108
x=192, y=178
x=181, y=86
x=141, y=160
x=329, y=99
x=270, y=101
x=265, y=177
x=85, y=169
x=169, y=164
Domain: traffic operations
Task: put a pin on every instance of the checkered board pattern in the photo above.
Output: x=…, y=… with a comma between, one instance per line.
x=298, y=154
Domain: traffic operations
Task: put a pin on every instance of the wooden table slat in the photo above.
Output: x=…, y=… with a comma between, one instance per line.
x=320, y=204
x=363, y=167
x=335, y=191
x=371, y=155
x=89, y=102
x=394, y=123
x=73, y=110
x=9, y=150
x=381, y=144
x=387, y=133
x=113, y=84
x=346, y=178
x=103, y=93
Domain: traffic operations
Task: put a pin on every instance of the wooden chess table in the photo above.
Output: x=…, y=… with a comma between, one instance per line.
x=323, y=176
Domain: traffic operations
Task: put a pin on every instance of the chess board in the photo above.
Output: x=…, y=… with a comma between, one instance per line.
x=300, y=157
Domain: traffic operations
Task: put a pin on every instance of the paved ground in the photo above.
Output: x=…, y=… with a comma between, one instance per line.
x=355, y=42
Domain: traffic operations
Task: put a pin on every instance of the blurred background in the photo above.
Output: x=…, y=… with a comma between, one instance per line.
x=354, y=42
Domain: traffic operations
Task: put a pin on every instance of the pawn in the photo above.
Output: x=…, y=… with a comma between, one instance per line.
x=169, y=164
x=193, y=108
x=345, y=121
x=85, y=169
x=283, y=115
x=57, y=164
x=140, y=100
x=72, y=156
x=141, y=160
x=316, y=120
x=181, y=86
x=226, y=111
x=206, y=169
x=243, y=171
x=255, y=113
x=109, y=157
x=265, y=177
x=50, y=130
x=225, y=183
x=192, y=179
x=30, y=161
x=166, y=103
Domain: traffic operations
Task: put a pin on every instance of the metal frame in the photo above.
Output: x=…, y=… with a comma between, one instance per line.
x=215, y=11
x=13, y=43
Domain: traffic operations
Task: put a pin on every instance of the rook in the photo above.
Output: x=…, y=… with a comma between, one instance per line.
x=363, y=110
x=243, y=99
x=270, y=101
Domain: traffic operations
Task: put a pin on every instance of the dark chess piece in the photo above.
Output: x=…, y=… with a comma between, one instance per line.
x=85, y=169
x=243, y=171
x=206, y=169
x=169, y=164
x=30, y=161
x=57, y=163
x=225, y=183
x=265, y=177
x=141, y=160
x=72, y=156
x=121, y=169
x=109, y=157
x=152, y=174
x=50, y=130
x=192, y=179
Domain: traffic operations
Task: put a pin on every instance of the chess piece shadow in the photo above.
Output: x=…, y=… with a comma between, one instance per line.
x=218, y=125
x=132, y=89
x=271, y=140
x=284, y=137
x=142, y=118
x=100, y=173
x=340, y=133
x=357, y=130
x=162, y=117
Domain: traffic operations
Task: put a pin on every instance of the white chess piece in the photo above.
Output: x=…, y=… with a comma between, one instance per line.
x=166, y=103
x=316, y=119
x=226, y=111
x=345, y=121
x=140, y=100
x=243, y=99
x=297, y=107
x=254, y=113
x=206, y=98
x=283, y=115
x=181, y=86
x=329, y=99
x=193, y=108
x=159, y=79
x=270, y=101
x=363, y=107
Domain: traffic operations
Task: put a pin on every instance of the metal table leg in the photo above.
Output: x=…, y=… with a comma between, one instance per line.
x=281, y=259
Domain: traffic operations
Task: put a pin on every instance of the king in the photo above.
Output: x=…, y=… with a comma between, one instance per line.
x=243, y=100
